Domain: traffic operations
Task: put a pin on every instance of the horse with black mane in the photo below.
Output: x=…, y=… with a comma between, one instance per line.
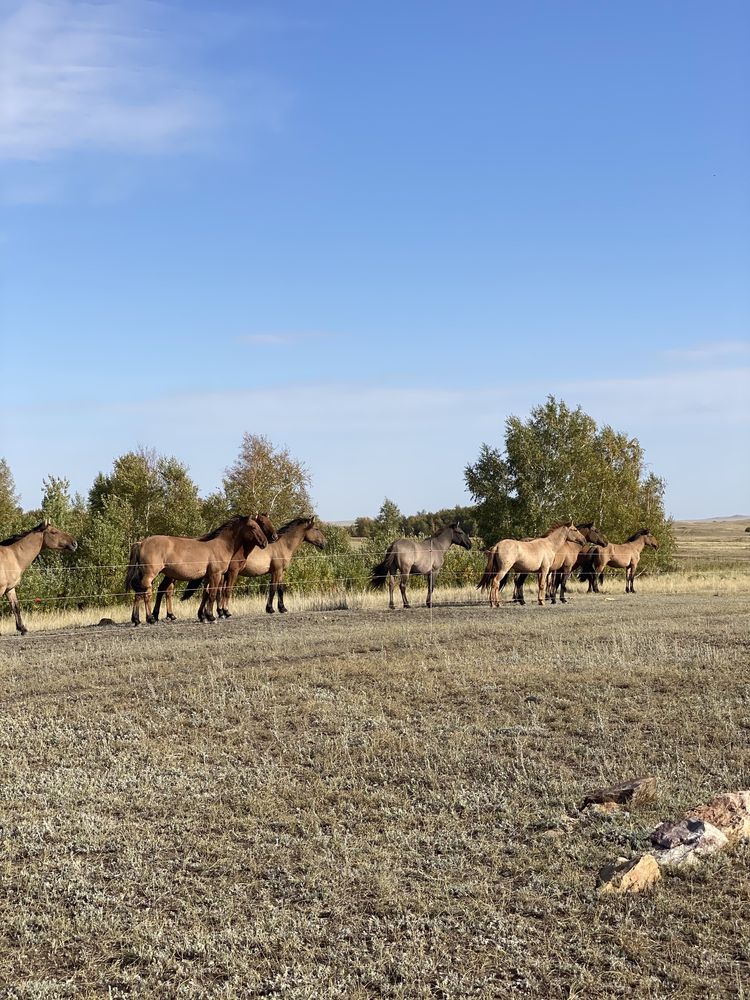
x=424, y=557
x=568, y=558
x=206, y=558
x=18, y=553
x=535, y=555
x=274, y=559
x=624, y=555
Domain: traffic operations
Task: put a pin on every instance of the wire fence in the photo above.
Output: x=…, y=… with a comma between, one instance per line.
x=50, y=586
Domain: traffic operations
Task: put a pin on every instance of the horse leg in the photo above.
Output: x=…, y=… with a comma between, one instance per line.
x=564, y=577
x=148, y=593
x=541, y=585
x=135, y=615
x=271, y=594
x=551, y=592
x=391, y=588
x=202, y=605
x=402, y=587
x=15, y=605
x=280, y=592
x=164, y=588
x=171, y=616
x=227, y=588
x=212, y=592
x=430, y=586
x=518, y=588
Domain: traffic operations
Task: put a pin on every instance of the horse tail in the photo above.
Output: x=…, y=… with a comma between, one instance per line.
x=586, y=567
x=490, y=571
x=381, y=571
x=501, y=585
x=191, y=589
x=133, y=574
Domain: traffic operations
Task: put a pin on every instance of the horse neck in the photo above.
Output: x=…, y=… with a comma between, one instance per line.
x=231, y=539
x=639, y=544
x=558, y=536
x=442, y=541
x=290, y=541
x=26, y=549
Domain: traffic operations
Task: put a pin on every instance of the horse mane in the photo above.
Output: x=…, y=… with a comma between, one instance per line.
x=293, y=524
x=637, y=535
x=23, y=534
x=587, y=524
x=441, y=530
x=554, y=527
x=231, y=523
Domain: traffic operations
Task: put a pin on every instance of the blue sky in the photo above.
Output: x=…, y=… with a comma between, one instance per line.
x=372, y=232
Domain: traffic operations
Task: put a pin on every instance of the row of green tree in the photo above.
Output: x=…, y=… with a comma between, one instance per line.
x=555, y=465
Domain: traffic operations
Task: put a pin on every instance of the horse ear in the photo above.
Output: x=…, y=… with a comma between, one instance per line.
x=47, y=522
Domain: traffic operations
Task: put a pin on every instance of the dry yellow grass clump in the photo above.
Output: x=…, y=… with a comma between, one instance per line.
x=351, y=804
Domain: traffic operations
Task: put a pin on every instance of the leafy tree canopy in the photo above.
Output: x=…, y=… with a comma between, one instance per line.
x=10, y=504
x=557, y=465
x=264, y=478
x=157, y=490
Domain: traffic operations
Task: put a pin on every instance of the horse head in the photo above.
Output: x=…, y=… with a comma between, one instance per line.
x=54, y=538
x=592, y=534
x=251, y=531
x=574, y=535
x=266, y=526
x=314, y=535
x=459, y=536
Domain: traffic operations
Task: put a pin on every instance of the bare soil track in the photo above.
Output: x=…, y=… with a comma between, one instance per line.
x=358, y=804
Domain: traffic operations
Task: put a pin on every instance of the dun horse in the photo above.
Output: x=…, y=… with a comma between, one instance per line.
x=166, y=587
x=625, y=555
x=566, y=561
x=274, y=559
x=207, y=558
x=534, y=556
x=19, y=552
x=408, y=555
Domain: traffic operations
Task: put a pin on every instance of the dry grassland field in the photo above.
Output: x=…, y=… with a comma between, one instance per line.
x=361, y=803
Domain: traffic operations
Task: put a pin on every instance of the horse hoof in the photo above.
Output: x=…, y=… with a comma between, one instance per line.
x=23, y=631
x=171, y=618
x=270, y=611
x=209, y=618
x=226, y=615
x=282, y=611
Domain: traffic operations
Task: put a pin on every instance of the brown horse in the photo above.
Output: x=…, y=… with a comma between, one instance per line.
x=625, y=555
x=19, y=552
x=534, y=556
x=166, y=587
x=274, y=559
x=424, y=557
x=565, y=562
x=208, y=558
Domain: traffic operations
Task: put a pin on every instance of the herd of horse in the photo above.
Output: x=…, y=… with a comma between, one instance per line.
x=251, y=546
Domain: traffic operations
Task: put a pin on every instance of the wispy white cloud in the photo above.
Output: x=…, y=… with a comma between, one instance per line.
x=717, y=350
x=358, y=436
x=92, y=76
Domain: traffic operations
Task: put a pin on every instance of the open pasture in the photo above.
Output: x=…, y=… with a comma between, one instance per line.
x=365, y=803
